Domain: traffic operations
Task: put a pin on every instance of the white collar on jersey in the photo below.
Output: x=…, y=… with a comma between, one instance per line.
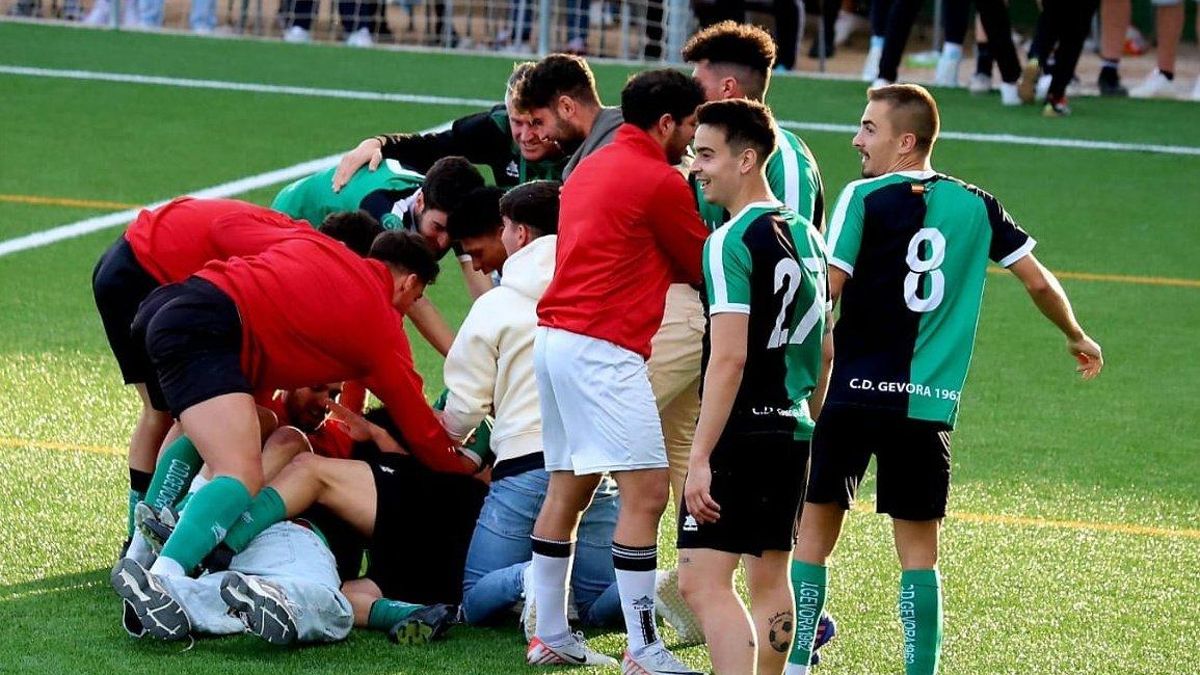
x=919, y=175
x=404, y=207
x=765, y=204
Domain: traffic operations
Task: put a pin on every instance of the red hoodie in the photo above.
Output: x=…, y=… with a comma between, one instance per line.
x=314, y=311
x=627, y=229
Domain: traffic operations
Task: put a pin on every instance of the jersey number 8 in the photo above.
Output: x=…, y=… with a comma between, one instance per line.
x=919, y=266
x=788, y=271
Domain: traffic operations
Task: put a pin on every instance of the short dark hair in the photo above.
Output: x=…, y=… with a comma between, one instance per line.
x=448, y=181
x=355, y=229
x=534, y=205
x=554, y=76
x=913, y=111
x=477, y=215
x=649, y=95
x=407, y=251
x=736, y=44
x=747, y=124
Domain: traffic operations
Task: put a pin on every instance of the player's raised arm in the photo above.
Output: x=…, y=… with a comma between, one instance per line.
x=1052, y=302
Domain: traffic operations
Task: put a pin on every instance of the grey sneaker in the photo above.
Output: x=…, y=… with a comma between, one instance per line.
x=574, y=652
x=655, y=660
x=669, y=604
x=262, y=607
x=160, y=614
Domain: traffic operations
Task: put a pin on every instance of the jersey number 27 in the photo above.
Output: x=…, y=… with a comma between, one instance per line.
x=787, y=271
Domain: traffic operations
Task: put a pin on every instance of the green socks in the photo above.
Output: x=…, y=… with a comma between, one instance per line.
x=177, y=466
x=808, y=586
x=921, y=619
x=387, y=613
x=209, y=515
x=266, y=510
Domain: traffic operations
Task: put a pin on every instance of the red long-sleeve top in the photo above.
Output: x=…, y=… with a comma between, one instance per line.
x=314, y=311
x=175, y=240
x=627, y=228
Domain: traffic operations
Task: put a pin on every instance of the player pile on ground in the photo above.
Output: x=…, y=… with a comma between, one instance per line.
x=659, y=322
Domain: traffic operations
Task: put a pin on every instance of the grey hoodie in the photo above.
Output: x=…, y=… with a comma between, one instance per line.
x=604, y=128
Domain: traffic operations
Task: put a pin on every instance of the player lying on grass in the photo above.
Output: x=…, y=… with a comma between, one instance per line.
x=908, y=256
x=749, y=460
x=166, y=245
x=494, y=138
x=402, y=200
x=297, y=596
x=489, y=370
x=280, y=320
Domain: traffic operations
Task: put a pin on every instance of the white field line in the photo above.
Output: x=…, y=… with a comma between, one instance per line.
x=1009, y=139
x=235, y=187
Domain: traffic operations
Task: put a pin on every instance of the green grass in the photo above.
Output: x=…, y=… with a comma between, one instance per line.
x=1033, y=442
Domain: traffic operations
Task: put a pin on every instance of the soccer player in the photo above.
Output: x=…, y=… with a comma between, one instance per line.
x=749, y=460
x=559, y=96
x=166, y=245
x=282, y=588
x=279, y=320
x=909, y=249
x=627, y=228
x=476, y=226
x=495, y=138
x=734, y=60
x=399, y=199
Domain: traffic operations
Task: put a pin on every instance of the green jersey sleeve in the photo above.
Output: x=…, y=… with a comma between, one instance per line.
x=794, y=178
x=727, y=270
x=846, y=229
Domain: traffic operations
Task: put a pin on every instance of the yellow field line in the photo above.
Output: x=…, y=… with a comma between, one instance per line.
x=67, y=447
x=1118, y=278
x=65, y=201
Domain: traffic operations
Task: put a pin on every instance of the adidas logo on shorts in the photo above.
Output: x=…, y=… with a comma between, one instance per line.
x=689, y=524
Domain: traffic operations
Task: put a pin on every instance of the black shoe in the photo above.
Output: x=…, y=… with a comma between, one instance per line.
x=160, y=614
x=814, y=52
x=1110, y=84
x=262, y=607
x=424, y=625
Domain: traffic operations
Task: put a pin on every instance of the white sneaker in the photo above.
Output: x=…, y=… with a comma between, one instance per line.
x=870, y=69
x=670, y=605
x=529, y=611
x=1043, y=86
x=980, y=84
x=946, y=74
x=297, y=34
x=655, y=660
x=847, y=24
x=574, y=652
x=1196, y=90
x=1156, y=85
x=360, y=38
x=880, y=82
x=1009, y=94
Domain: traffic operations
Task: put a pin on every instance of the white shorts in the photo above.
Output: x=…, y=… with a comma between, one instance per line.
x=598, y=411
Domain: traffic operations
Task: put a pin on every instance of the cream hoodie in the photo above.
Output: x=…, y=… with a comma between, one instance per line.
x=489, y=369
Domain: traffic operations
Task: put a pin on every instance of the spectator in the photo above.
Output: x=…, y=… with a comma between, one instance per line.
x=1168, y=28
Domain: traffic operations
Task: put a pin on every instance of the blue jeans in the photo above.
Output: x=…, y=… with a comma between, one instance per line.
x=500, y=551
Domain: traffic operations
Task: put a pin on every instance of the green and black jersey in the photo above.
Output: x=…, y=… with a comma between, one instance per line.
x=769, y=262
x=375, y=192
x=793, y=177
x=916, y=245
x=484, y=138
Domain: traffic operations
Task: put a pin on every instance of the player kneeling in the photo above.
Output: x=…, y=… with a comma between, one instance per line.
x=749, y=459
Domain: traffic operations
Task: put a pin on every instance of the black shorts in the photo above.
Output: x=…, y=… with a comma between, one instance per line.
x=912, y=461
x=120, y=284
x=193, y=336
x=758, y=481
x=424, y=521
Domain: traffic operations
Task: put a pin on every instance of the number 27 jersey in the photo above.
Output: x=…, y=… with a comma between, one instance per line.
x=769, y=262
x=916, y=245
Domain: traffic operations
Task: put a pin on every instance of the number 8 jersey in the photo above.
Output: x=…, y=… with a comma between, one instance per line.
x=769, y=262
x=916, y=245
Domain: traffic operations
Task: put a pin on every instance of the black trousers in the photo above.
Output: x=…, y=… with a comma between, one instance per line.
x=992, y=13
